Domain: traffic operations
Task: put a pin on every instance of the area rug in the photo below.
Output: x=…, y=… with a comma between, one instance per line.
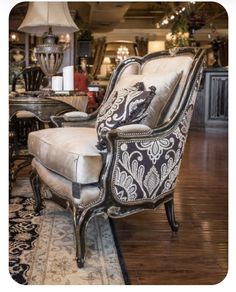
x=42, y=248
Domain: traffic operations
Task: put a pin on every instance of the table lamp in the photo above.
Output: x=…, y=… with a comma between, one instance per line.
x=107, y=63
x=48, y=19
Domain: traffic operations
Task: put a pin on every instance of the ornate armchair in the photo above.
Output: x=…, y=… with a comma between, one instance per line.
x=130, y=161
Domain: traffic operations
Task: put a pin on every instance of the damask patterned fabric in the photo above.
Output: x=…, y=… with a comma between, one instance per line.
x=147, y=168
x=123, y=107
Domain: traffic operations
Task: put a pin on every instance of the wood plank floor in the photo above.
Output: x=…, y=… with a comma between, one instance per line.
x=197, y=254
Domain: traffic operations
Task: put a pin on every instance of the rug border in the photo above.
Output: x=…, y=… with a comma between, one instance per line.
x=120, y=255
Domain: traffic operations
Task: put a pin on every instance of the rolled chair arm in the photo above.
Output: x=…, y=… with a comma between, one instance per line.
x=75, y=119
x=133, y=129
x=75, y=116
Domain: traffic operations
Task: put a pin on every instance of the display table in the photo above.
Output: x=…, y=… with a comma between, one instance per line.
x=45, y=106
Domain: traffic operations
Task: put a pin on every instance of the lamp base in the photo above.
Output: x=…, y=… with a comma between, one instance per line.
x=50, y=57
x=50, y=38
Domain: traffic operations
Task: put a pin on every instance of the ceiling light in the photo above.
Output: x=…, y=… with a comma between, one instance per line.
x=13, y=37
x=172, y=17
x=166, y=21
x=122, y=54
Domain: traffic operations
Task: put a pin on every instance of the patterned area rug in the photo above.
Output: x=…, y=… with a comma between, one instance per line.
x=42, y=248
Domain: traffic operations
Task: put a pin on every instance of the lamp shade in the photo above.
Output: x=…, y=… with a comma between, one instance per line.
x=44, y=15
x=155, y=46
x=107, y=61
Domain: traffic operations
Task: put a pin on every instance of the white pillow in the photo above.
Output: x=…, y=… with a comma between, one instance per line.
x=165, y=84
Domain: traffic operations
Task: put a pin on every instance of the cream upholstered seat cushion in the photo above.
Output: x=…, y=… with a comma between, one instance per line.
x=63, y=187
x=70, y=152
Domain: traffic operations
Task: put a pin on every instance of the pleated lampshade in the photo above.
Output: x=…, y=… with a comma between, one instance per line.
x=48, y=19
x=44, y=15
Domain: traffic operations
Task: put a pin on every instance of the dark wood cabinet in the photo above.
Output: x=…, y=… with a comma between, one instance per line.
x=211, y=110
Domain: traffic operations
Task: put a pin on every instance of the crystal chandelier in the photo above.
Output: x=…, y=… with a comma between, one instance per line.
x=122, y=54
x=179, y=39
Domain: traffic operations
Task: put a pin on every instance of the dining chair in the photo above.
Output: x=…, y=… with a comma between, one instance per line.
x=25, y=121
x=32, y=78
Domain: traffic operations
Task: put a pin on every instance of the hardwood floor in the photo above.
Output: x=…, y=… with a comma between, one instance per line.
x=197, y=254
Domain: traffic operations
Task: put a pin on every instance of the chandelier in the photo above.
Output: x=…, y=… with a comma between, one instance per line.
x=122, y=54
x=179, y=39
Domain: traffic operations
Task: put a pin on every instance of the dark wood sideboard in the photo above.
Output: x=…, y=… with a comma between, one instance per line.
x=211, y=109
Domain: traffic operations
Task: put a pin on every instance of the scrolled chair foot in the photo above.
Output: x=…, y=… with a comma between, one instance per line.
x=80, y=262
x=169, y=207
x=175, y=226
x=35, y=184
x=37, y=212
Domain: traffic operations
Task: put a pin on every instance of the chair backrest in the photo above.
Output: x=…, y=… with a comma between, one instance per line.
x=32, y=77
x=156, y=65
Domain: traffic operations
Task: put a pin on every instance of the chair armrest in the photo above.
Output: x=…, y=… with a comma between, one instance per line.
x=75, y=119
x=134, y=129
x=75, y=116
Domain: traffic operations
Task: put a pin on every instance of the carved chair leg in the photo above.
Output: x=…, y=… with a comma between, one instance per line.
x=35, y=184
x=80, y=222
x=169, y=207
